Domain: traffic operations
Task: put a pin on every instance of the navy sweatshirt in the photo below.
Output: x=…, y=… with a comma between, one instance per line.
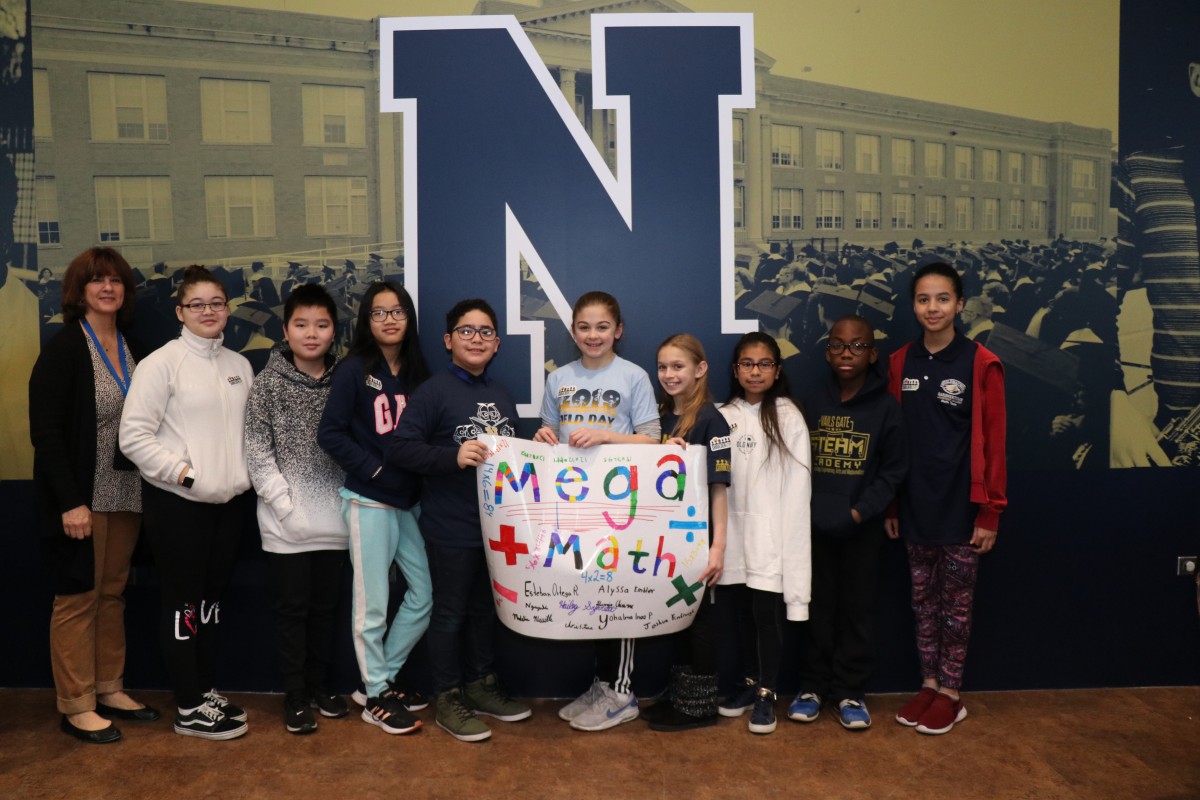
x=356, y=428
x=859, y=454
x=447, y=410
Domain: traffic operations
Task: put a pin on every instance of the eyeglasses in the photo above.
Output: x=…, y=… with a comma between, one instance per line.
x=746, y=365
x=467, y=333
x=197, y=307
x=380, y=314
x=858, y=348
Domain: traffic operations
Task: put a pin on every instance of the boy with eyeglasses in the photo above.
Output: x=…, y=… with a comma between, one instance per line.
x=437, y=438
x=859, y=459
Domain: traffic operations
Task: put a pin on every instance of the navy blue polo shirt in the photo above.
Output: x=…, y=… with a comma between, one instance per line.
x=935, y=400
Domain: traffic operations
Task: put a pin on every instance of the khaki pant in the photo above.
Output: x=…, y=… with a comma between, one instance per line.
x=87, y=630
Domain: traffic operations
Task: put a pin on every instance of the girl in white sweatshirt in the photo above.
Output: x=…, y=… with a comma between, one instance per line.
x=182, y=427
x=767, y=547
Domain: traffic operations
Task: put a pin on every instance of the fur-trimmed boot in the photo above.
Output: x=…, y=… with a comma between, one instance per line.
x=693, y=705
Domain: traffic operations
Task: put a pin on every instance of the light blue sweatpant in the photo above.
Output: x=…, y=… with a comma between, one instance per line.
x=379, y=535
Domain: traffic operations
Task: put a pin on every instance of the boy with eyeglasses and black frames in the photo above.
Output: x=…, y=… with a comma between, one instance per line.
x=859, y=459
x=437, y=438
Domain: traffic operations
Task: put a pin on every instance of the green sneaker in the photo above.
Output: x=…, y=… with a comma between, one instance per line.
x=457, y=719
x=485, y=696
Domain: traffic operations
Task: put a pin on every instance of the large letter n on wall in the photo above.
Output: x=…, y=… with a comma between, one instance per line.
x=497, y=166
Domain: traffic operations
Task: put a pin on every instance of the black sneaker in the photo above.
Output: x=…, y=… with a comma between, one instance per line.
x=330, y=705
x=297, y=716
x=209, y=722
x=390, y=715
x=413, y=699
x=222, y=704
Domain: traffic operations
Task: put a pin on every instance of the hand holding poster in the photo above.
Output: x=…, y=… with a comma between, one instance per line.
x=607, y=542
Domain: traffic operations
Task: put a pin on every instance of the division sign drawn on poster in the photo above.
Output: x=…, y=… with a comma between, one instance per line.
x=598, y=543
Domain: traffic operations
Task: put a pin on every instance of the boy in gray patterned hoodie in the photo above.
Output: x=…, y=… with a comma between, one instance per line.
x=299, y=517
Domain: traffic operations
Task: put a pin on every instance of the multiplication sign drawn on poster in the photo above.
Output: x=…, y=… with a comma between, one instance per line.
x=597, y=543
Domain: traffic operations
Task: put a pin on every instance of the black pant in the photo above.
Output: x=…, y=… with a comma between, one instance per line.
x=462, y=633
x=839, y=642
x=195, y=547
x=307, y=589
x=758, y=618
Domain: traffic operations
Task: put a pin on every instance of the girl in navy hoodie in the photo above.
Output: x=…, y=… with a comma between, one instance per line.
x=370, y=390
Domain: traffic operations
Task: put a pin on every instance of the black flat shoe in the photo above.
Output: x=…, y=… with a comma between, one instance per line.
x=104, y=736
x=143, y=714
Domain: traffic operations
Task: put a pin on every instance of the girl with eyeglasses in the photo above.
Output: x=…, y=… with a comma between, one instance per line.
x=370, y=390
x=600, y=399
x=767, y=568
x=182, y=427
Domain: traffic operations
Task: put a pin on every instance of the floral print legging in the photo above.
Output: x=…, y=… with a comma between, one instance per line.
x=943, y=590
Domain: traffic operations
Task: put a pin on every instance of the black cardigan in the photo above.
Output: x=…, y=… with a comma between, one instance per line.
x=62, y=425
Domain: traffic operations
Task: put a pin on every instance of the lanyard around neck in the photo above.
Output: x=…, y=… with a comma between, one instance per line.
x=122, y=383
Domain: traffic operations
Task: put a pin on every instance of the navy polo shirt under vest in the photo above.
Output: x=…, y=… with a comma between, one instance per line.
x=935, y=400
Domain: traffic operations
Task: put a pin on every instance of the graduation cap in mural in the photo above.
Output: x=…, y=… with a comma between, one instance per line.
x=837, y=300
x=262, y=318
x=139, y=277
x=233, y=281
x=772, y=307
x=876, y=297
x=891, y=248
x=1035, y=358
x=931, y=258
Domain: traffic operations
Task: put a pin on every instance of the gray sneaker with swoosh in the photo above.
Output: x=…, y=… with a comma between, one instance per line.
x=609, y=711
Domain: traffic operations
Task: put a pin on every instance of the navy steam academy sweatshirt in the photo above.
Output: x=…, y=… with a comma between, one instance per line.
x=448, y=409
x=859, y=454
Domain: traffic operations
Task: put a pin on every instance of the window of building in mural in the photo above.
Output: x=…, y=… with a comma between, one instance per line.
x=133, y=209
x=964, y=162
x=935, y=160
x=739, y=140
x=787, y=209
x=334, y=116
x=43, y=127
x=335, y=206
x=46, y=202
x=866, y=149
x=1016, y=168
x=902, y=211
x=739, y=205
x=935, y=212
x=240, y=206
x=235, y=112
x=867, y=210
x=1016, y=214
x=127, y=108
x=1037, y=215
x=991, y=165
x=1083, y=216
x=964, y=213
x=1083, y=173
x=991, y=213
x=829, y=209
x=1037, y=170
x=785, y=146
x=829, y=149
x=904, y=153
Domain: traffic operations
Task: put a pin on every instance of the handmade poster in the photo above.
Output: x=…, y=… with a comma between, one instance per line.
x=598, y=543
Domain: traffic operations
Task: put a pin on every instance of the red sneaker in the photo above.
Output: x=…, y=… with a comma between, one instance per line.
x=910, y=715
x=942, y=715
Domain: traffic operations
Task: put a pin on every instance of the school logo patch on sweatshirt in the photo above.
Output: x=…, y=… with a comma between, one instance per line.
x=719, y=443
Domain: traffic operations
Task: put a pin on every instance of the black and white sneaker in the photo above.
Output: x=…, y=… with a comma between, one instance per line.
x=329, y=704
x=221, y=702
x=390, y=715
x=209, y=722
x=413, y=699
x=297, y=716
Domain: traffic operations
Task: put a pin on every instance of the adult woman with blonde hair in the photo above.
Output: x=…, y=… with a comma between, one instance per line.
x=88, y=495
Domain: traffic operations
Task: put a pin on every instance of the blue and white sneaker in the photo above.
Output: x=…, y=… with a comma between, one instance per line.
x=739, y=701
x=805, y=708
x=853, y=715
x=762, y=718
x=610, y=709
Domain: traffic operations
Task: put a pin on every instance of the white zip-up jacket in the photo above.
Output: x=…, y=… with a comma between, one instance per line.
x=187, y=408
x=767, y=544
